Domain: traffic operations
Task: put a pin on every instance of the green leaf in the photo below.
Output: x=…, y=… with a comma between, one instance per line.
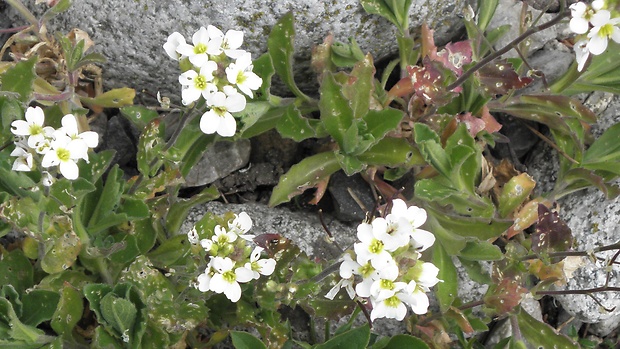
x=481, y=251
x=380, y=122
x=19, y=332
x=478, y=227
x=361, y=86
x=259, y=117
x=39, y=306
x=20, y=79
x=392, y=152
x=16, y=270
x=381, y=8
x=486, y=10
x=606, y=148
x=445, y=291
x=430, y=147
x=306, y=174
x=69, y=310
x=280, y=46
x=118, y=312
x=138, y=115
x=296, y=127
x=346, y=55
x=263, y=67
x=401, y=341
x=108, y=201
x=514, y=193
x=178, y=211
x=542, y=335
x=103, y=340
x=336, y=114
x=169, y=252
x=244, y=340
x=356, y=338
x=62, y=250
x=116, y=98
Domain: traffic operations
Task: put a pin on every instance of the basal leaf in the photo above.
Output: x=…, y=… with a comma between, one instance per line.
x=295, y=126
x=263, y=67
x=430, y=147
x=542, y=335
x=445, y=291
x=39, y=306
x=360, y=87
x=401, y=341
x=391, y=151
x=304, y=175
x=69, y=310
x=138, y=115
x=500, y=77
x=280, y=45
x=356, y=338
x=15, y=270
x=336, y=113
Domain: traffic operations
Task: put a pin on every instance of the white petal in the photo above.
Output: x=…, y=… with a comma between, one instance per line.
x=90, y=138
x=69, y=124
x=600, y=18
x=185, y=49
x=200, y=37
x=69, y=170
x=267, y=266
x=615, y=35
x=187, y=78
x=214, y=32
x=20, y=128
x=199, y=59
x=422, y=239
x=190, y=95
x=579, y=25
x=227, y=126
x=243, y=274
x=233, y=39
x=597, y=45
x=35, y=116
x=50, y=159
x=210, y=122
x=203, y=282
x=233, y=292
x=218, y=284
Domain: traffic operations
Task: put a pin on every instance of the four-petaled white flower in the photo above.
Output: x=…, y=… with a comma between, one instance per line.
x=226, y=278
x=222, y=236
x=258, y=266
x=32, y=127
x=83, y=140
x=371, y=248
x=64, y=153
x=240, y=225
x=230, y=42
x=204, y=44
x=241, y=75
x=605, y=28
x=219, y=118
x=199, y=83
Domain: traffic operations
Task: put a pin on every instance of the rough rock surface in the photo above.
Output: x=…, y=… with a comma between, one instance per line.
x=219, y=161
x=594, y=223
x=131, y=33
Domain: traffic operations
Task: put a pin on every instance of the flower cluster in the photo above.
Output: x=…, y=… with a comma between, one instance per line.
x=231, y=261
x=61, y=147
x=385, y=266
x=219, y=72
x=595, y=25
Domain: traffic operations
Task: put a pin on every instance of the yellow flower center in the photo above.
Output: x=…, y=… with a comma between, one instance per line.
x=200, y=82
x=392, y=302
x=229, y=276
x=366, y=270
x=386, y=284
x=35, y=130
x=375, y=246
x=200, y=48
x=606, y=30
x=63, y=154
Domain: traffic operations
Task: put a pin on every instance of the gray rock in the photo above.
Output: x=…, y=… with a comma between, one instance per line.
x=509, y=12
x=119, y=138
x=528, y=304
x=303, y=229
x=345, y=206
x=131, y=33
x=594, y=223
x=218, y=161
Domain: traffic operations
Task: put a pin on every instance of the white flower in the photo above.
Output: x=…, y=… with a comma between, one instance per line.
x=200, y=83
x=64, y=153
x=348, y=268
x=24, y=161
x=371, y=248
x=240, y=74
x=370, y=274
x=222, y=236
x=219, y=118
x=204, y=279
x=420, y=239
x=226, y=280
x=32, y=127
x=230, y=42
x=391, y=307
x=84, y=140
x=204, y=45
x=581, y=53
x=206, y=244
x=172, y=43
x=604, y=29
x=385, y=288
x=394, y=231
x=580, y=21
x=240, y=225
x=427, y=276
x=259, y=266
